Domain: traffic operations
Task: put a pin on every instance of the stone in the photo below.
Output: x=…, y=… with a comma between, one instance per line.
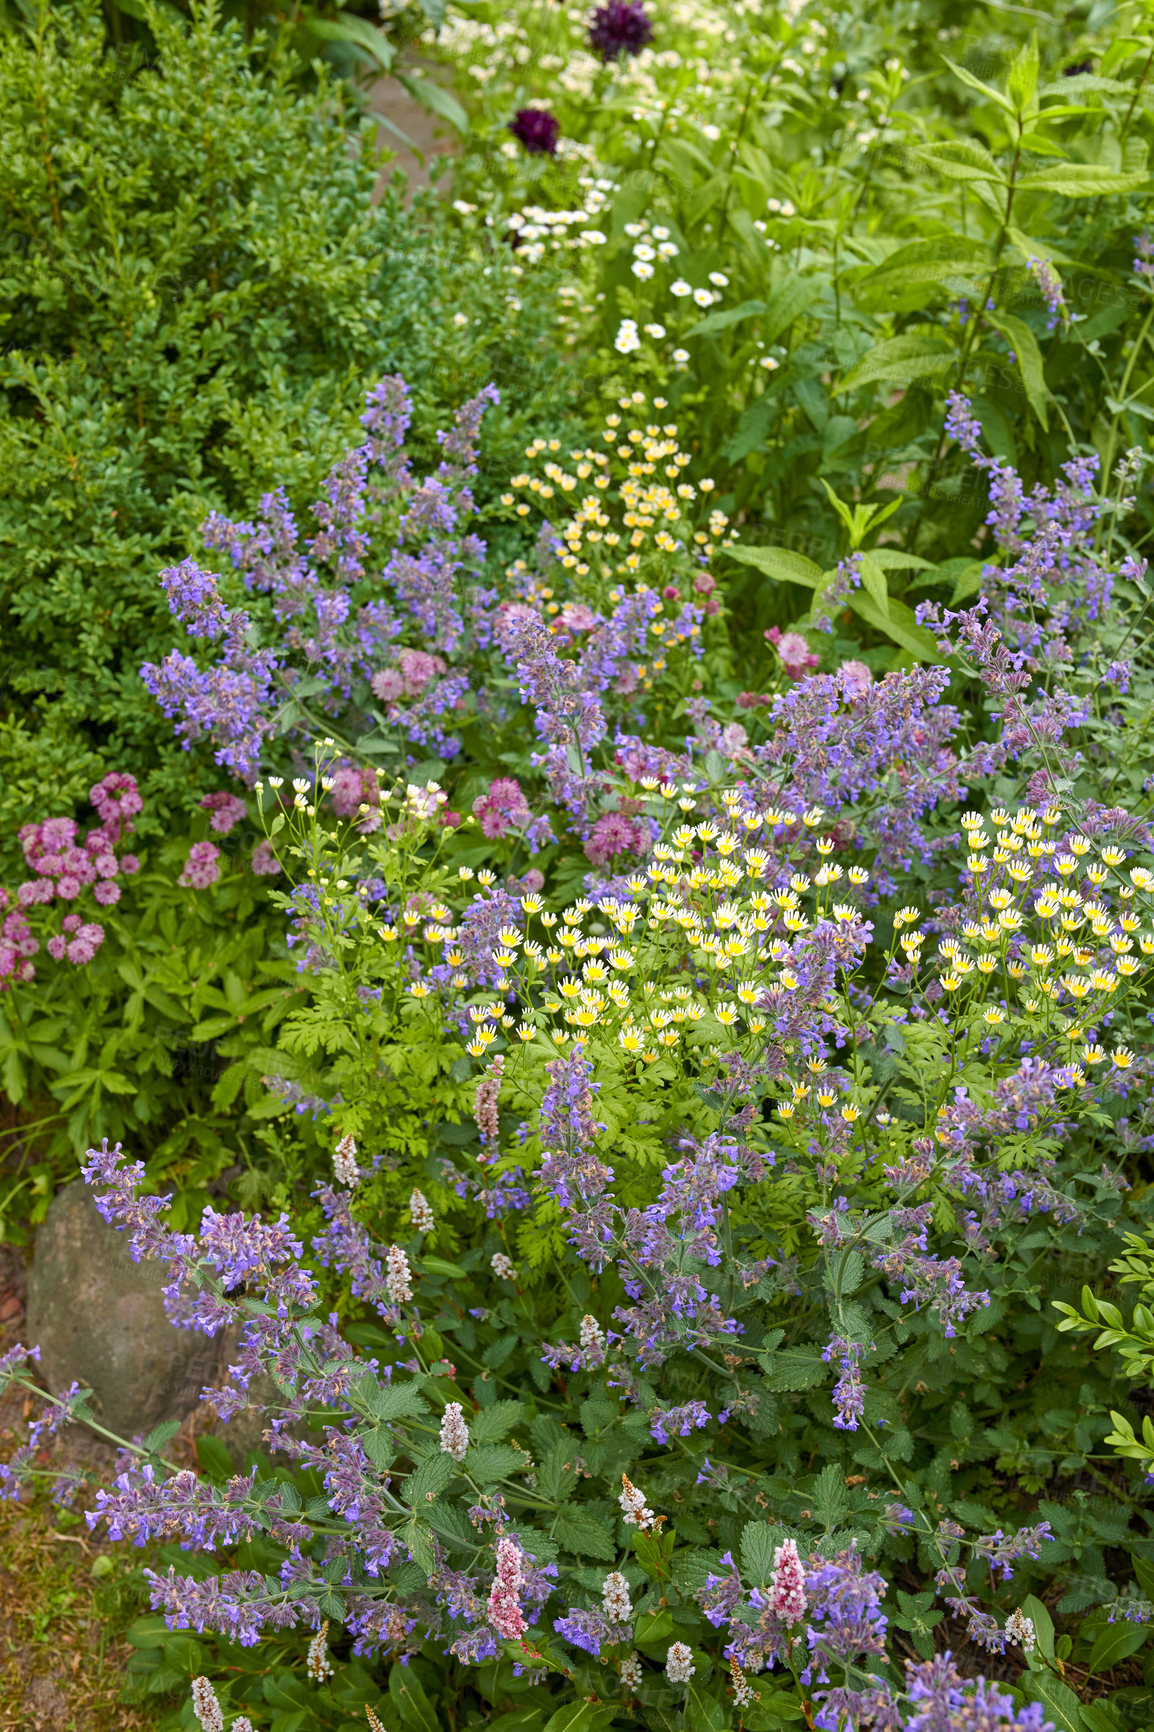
x=99, y=1320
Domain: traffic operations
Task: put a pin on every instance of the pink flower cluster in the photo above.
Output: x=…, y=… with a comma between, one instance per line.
x=65, y=865
x=202, y=867
x=503, y=808
x=796, y=655
x=225, y=811
x=415, y=670
x=504, y=1606
x=614, y=833
x=352, y=789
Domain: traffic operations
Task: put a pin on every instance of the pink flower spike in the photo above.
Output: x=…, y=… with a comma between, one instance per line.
x=504, y=1605
x=787, y=1589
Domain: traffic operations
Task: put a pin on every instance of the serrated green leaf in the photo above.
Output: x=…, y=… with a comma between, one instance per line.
x=425, y=1484
x=917, y=354
x=1082, y=180
x=759, y=1542
x=496, y=1422
x=584, y=1533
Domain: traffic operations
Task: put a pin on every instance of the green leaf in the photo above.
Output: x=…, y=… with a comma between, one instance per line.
x=795, y=1368
x=702, y=1713
x=1043, y=1624
x=496, y=1422
x=214, y=1457
x=1028, y=357
x=940, y=259
x=1086, y=82
x=348, y=27
x=831, y=1500
x=1059, y=1701
x=759, y=1542
x=1116, y=1642
x=898, y=624
x=874, y=583
x=425, y=1484
x=787, y=305
x=431, y=95
x=961, y=160
x=489, y=1462
x=722, y=321
x=586, y=1534
x=573, y=1717
x=986, y=90
x=440, y=1266
x=652, y=1629
x=418, y=1536
x=1022, y=84
x=916, y=354
x=389, y=1401
x=780, y=562
x=160, y=1434
x=412, y=1703
x=1082, y=180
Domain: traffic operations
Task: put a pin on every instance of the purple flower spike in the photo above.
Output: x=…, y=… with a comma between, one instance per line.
x=537, y=130
x=620, y=27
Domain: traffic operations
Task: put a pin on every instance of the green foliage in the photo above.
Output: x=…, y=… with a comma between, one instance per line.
x=869, y=198
x=196, y=288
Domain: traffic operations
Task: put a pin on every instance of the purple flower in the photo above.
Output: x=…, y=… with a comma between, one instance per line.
x=619, y=27
x=680, y=1420
x=849, y=1390
x=537, y=130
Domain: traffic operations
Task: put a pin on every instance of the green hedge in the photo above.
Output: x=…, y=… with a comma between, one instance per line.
x=195, y=288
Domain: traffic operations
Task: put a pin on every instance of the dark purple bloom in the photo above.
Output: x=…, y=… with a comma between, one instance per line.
x=537, y=130
x=620, y=27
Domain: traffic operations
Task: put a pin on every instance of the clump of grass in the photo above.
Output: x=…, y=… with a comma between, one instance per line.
x=66, y=1601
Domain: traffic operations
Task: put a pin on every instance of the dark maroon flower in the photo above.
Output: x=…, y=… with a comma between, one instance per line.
x=619, y=27
x=537, y=130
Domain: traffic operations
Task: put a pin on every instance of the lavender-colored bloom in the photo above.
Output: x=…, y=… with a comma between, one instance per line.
x=584, y=1629
x=849, y=1390
x=537, y=130
x=943, y=1698
x=678, y=1421
x=1050, y=286
x=619, y=27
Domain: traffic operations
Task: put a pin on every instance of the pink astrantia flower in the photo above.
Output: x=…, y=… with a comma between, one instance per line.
x=504, y=1608
x=787, y=1589
x=352, y=789
x=202, y=867
x=502, y=808
x=388, y=685
x=418, y=668
x=264, y=861
x=613, y=833
x=225, y=811
x=796, y=655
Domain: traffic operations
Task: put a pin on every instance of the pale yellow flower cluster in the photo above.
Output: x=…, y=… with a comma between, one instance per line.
x=612, y=537
x=700, y=913
x=1069, y=946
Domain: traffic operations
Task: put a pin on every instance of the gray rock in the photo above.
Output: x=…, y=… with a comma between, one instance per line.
x=99, y=1320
